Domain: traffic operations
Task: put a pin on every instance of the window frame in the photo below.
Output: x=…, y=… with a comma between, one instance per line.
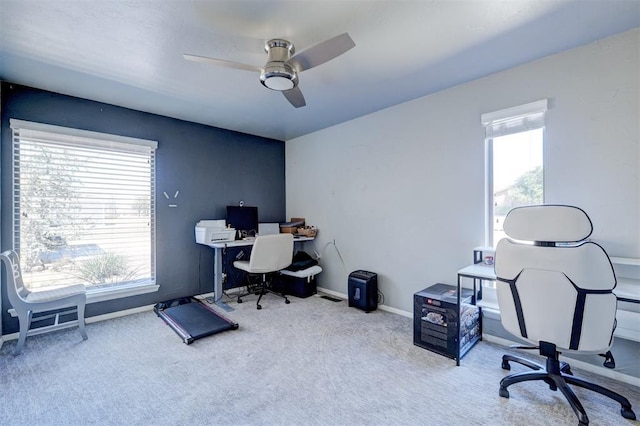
x=82, y=139
x=509, y=121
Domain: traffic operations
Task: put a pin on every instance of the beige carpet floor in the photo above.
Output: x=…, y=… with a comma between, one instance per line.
x=312, y=362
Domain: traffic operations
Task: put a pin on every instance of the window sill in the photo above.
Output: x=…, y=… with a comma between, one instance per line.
x=104, y=294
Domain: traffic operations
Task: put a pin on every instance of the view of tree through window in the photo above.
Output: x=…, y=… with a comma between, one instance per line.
x=83, y=211
x=517, y=174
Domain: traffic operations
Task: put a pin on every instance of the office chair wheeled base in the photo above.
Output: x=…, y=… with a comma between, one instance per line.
x=558, y=375
x=264, y=289
x=252, y=289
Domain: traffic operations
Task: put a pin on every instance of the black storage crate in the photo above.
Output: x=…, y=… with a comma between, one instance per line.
x=299, y=287
x=435, y=321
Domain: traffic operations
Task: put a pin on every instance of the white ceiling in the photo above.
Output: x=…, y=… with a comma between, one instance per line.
x=129, y=53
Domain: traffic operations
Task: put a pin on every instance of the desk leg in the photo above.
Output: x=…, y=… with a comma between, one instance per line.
x=217, y=280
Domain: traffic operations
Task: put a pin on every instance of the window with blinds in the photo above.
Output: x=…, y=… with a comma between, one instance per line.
x=83, y=207
x=514, y=162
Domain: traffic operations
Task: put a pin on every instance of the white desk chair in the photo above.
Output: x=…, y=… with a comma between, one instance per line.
x=555, y=291
x=270, y=254
x=26, y=302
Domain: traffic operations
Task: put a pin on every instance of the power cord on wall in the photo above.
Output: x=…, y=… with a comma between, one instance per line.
x=324, y=249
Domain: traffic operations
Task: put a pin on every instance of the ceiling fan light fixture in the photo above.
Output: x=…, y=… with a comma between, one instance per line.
x=278, y=74
x=278, y=83
x=279, y=77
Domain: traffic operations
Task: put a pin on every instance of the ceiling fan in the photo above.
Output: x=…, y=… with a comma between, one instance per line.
x=283, y=66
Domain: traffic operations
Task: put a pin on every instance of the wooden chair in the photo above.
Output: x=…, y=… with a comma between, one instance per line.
x=63, y=300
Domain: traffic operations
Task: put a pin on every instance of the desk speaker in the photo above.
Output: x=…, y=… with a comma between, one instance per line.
x=363, y=290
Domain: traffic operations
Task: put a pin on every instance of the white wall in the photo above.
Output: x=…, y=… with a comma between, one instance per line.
x=401, y=191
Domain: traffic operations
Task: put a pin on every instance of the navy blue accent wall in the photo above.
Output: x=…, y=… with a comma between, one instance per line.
x=211, y=168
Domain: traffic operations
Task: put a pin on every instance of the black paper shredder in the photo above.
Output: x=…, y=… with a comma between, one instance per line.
x=363, y=290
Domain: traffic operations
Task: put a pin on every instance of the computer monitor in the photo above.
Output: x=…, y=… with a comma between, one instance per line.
x=243, y=219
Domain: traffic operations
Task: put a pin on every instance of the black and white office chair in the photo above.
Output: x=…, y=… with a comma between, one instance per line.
x=58, y=301
x=270, y=254
x=555, y=292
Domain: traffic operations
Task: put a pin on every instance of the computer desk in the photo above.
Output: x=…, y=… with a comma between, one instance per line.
x=217, y=264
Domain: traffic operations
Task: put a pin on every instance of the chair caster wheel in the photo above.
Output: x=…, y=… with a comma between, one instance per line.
x=506, y=365
x=259, y=307
x=239, y=300
x=628, y=413
x=287, y=301
x=566, y=369
x=504, y=392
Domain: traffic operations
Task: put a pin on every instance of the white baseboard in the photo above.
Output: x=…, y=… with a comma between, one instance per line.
x=396, y=311
x=332, y=293
x=118, y=314
x=380, y=306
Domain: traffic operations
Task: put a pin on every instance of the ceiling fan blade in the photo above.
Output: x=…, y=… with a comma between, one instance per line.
x=295, y=97
x=221, y=62
x=322, y=52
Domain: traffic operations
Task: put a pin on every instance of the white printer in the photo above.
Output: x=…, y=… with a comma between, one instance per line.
x=214, y=231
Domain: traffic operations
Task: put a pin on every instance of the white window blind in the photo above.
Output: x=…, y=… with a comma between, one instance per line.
x=84, y=207
x=514, y=120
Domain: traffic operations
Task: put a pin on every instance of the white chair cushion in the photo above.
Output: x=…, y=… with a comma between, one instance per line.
x=242, y=264
x=599, y=315
x=548, y=223
x=546, y=298
x=547, y=281
x=271, y=253
x=512, y=257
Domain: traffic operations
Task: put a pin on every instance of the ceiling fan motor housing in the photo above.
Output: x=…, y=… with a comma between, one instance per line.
x=277, y=74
